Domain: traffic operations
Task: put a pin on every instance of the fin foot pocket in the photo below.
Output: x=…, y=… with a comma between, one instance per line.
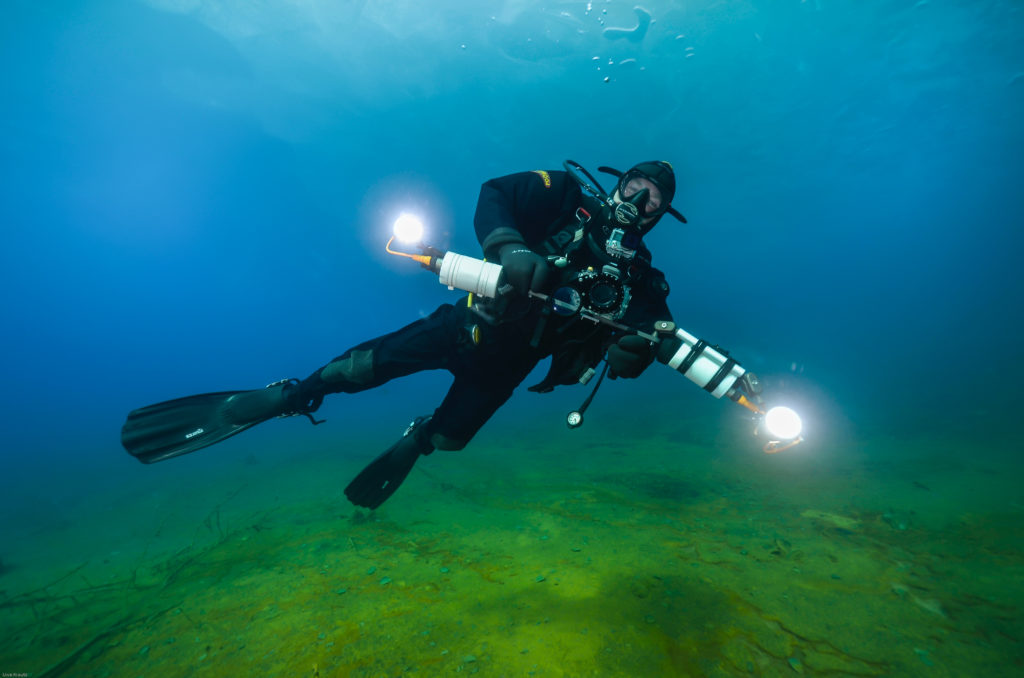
x=177, y=427
x=385, y=474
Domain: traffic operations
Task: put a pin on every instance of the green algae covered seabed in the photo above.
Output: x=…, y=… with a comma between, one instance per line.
x=633, y=559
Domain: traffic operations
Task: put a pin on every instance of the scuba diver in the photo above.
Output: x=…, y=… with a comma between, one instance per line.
x=577, y=285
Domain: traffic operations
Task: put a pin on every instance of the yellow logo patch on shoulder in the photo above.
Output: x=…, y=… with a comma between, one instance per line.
x=545, y=177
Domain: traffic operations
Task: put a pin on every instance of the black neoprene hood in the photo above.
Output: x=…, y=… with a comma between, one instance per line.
x=659, y=173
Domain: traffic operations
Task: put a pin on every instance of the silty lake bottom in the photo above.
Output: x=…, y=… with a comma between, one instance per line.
x=675, y=555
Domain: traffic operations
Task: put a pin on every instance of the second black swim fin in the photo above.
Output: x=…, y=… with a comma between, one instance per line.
x=385, y=474
x=177, y=427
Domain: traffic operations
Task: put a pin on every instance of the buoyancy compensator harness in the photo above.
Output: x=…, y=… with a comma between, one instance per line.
x=598, y=258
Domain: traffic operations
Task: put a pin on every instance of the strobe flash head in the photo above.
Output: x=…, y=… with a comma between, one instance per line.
x=782, y=427
x=782, y=423
x=408, y=228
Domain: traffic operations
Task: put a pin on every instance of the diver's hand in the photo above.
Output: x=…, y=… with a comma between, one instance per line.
x=524, y=269
x=630, y=356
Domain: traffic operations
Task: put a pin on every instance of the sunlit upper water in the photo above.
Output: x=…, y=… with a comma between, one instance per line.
x=195, y=193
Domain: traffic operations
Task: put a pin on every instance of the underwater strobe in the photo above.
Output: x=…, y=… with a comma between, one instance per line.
x=710, y=367
x=457, y=271
x=714, y=370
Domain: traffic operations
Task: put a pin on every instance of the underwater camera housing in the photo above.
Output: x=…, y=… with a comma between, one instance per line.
x=591, y=294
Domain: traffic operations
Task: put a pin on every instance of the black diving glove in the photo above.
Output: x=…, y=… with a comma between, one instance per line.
x=630, y=356
x=524, y=269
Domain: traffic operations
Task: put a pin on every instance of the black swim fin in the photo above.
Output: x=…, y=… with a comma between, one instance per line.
x=385, y=474
x=177, y=427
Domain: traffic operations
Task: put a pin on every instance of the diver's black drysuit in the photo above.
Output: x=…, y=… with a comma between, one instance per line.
x=581, y=254
x=490, y=346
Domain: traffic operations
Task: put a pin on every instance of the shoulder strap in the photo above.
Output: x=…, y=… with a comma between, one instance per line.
x=563, y=241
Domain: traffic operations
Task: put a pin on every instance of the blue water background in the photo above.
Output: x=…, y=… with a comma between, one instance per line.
x=195, y=195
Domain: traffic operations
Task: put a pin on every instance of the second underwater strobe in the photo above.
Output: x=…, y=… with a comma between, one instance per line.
x=708, y=366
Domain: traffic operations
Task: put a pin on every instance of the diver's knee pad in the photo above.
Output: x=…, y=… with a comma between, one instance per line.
x=355, y=367
x=443, y=442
